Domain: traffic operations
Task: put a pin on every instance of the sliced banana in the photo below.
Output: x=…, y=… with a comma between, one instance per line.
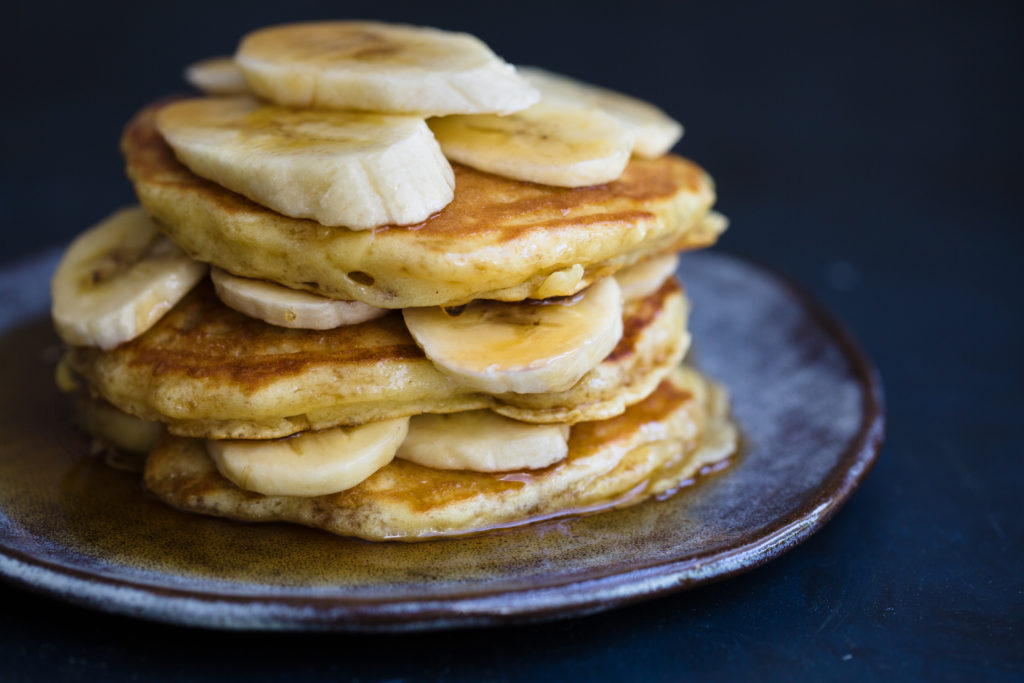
x=523, y=347
x=654, y=132
x=715, y=222
x=560, y=281
x=373, y=66
x=116, y=427
x=482, y=441
x=645, y=278
x=310, y=463
x=217, y=76
x=286, y=307
x=552, y=144
x=117, y=279
x=350, y=169
x=65, y=378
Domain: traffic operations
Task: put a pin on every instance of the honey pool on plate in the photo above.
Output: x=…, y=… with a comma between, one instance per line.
x=806, y=399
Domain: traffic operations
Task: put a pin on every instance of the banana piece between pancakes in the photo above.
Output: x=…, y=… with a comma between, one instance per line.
x=311, y=463
x=286, y=307
x=482, y=441
x=527, y=347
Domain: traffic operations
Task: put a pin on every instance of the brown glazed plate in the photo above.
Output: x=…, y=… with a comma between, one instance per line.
x=808, y=402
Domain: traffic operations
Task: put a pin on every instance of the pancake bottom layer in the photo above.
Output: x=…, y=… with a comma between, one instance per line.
x=649, y=450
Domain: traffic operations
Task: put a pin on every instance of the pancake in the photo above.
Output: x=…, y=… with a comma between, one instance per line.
x=647, y=451
x=498, y=239
x=209, y=371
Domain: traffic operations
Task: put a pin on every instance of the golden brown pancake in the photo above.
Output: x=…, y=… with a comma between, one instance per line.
x=647, y=451
x=209, y=371
x=498, y=239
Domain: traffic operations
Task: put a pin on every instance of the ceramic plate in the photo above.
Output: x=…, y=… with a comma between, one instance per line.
x=807, y=401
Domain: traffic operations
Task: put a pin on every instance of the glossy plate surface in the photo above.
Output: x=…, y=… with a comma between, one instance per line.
x=807, y=401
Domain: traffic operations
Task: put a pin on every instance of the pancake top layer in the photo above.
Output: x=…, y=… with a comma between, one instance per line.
x=498, y=239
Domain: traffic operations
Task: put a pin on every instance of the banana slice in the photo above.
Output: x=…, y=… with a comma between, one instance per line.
x=380, y=67
x=116, y=427
x=645, y=278
x=482, y=441
x=524, y=347
x=348, y=169
x=65, y=378
x=217, y=76
x=117, y=279
x=552, y=144
x=286, y=307
x=715, y=222
x=654, y=132
x=310, y=463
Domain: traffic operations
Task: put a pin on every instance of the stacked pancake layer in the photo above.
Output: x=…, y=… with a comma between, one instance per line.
x=395, y=345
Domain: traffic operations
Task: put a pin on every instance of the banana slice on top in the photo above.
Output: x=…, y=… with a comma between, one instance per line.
x=482, y=441
x=524, y=347
x=352, y=169
x=645, y=278
x=217, y=76
x=374, y=66
x=310, y=463
x=286, y=307
x=551, y=144
x=117, y=279
x=654, y=132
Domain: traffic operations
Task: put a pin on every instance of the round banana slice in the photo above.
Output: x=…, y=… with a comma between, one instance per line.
x=525, y=347
x=552, y=144
x=380, y=67
x=117, y=279
x=714, y=222
x=351, y=169
x=645, y=278
x=116, y=427
x=310, y=463
x=654, y=132
x=482, y=441
x=217, y=76
x=65, y=378
x=286, y=307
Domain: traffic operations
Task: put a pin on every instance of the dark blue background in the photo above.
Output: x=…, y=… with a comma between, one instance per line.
x=871, y=150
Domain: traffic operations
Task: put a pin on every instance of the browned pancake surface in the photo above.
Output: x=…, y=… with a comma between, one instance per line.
x=649, y=450
x=498, y=239
x=210, y=371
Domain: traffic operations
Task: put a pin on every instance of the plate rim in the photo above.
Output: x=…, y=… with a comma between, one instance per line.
x=592, y=590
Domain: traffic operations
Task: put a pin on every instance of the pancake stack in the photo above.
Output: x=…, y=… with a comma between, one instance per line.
x=384, y=284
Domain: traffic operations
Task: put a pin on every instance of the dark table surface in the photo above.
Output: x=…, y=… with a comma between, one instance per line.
x=870, y=150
